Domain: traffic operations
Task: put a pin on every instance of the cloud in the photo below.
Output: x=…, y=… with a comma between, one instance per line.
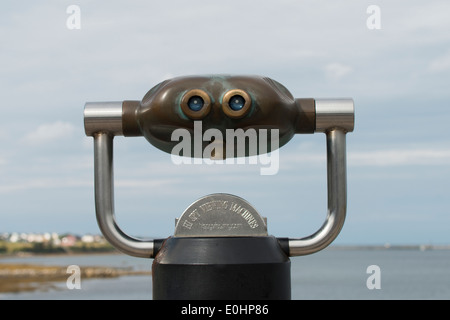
x=3, y=161
x=379, y=158
x=44, y=183
x=440, y=64
x=400, y=157
x=49, y=132
x=336, y=71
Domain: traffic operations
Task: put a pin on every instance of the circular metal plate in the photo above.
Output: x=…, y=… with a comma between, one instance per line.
x=220, y=215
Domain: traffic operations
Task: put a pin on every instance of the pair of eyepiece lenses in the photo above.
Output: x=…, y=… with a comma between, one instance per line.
x=196, y=103
x=236, y=103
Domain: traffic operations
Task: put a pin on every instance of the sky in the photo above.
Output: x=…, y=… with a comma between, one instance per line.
x=396, y=68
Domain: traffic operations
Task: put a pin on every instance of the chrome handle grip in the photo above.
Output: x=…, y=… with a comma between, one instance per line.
x=334, y=114
x=337, y=199
x=334, y=117
x=103, y=121
x=104, y=201
x=103, y=117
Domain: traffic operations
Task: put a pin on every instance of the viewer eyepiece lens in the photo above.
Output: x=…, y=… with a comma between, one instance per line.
x=195, y=103
x=236, y=102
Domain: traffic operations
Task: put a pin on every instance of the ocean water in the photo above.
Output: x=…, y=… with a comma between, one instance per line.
x=330, y=274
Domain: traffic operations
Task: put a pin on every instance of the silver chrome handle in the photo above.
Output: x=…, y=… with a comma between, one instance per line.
x=334, y=117
x=103, y=121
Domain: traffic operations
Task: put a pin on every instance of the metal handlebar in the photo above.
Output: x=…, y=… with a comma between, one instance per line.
x=334, y=117
x=104, y=120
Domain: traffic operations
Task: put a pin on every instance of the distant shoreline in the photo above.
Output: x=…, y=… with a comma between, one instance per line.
x=57, y=254
x=28, y=249
x=420, y=247
x=112, y=251
x=19, y=277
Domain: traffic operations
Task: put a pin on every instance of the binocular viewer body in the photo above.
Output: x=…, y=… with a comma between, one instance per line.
x=262, y=103
x=220, y=232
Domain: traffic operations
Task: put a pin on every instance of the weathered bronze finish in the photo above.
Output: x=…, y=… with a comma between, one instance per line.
x=129, y=123
x=267, y=104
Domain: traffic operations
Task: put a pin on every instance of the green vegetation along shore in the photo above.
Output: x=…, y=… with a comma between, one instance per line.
x=10, y=248
x=30, y=277
x=18, y=277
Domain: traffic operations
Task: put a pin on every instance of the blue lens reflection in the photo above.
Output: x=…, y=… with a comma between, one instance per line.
x=236, y=102
x=195, y=103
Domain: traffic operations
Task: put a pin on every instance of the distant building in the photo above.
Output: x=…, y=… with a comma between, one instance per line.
x=68, y=241
x=14, y=237
x=53, y=238
x=88, y=238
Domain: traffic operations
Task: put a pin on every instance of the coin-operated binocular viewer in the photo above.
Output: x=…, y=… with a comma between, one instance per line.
x=220, y=248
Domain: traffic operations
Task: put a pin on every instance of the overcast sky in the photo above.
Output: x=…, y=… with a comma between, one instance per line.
x=398, y=76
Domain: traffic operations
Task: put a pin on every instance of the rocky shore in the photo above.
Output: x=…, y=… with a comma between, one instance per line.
x=28, y=277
